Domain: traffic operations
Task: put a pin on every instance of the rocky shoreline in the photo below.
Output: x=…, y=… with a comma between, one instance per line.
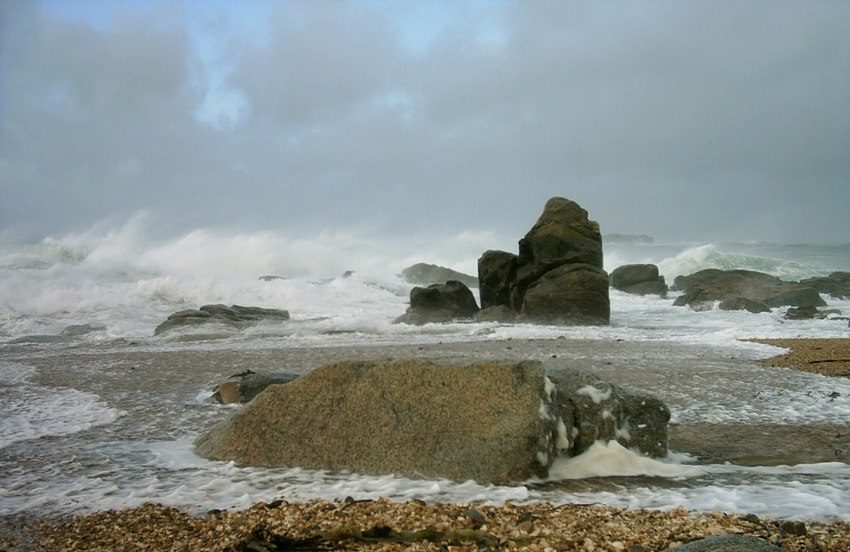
x=386, y=525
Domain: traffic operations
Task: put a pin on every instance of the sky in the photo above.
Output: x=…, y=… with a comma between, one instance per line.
x=700, y=120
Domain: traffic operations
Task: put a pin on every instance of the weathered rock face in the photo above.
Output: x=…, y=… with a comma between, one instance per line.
x=439, y=303
x=712, y=285
x=640, y=279
x=496, y=274
x=423, y=274
x=235, y=317
x=488, y=421
x=569, y=294
x=561, y=255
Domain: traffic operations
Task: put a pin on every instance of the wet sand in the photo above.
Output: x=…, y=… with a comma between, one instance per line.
x=384, y=525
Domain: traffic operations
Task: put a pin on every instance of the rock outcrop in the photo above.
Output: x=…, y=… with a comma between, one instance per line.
x=234, y=317
x=557, y=277
x=640, y=279
x=439, y=303
x=710, y=285
x=423, y=274
x=493, y=422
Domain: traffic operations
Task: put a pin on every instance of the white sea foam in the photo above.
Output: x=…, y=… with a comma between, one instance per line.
x=32, y=412
x=613, y=459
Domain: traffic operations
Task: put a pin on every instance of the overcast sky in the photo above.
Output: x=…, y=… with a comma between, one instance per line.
x=714, y=120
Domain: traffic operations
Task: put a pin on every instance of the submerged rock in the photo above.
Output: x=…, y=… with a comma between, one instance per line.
x=234, y=316
x=493, y=422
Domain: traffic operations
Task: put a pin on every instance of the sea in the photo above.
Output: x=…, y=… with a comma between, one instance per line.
x=98, y=413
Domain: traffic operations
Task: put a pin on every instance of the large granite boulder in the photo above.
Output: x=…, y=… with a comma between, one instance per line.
x=563, y=248
x=234, y=317
x=710, y=285
x=639, y=279
x=439, y=303
x=836, y=284
x=424, y=274
x=492, y=422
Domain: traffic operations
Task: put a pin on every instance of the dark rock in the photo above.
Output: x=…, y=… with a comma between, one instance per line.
x=439, y=303
x=271, y=277
x=562, y=235
x=563, y=248
x=496, y=274
x=423, y=274
x=601, y=411
x=741, y=303
x=795, y=295
x=712, y=284
x=493, y=422
x=631, y=274
x=801, y=313
x=497, y=313
x=728, y=543
x=235, y=317
x=242, y=388
x=570, y=294
x=640, y=279
x=836, y=284
x=647, y=288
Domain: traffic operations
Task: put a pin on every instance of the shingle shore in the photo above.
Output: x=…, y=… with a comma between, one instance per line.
x=386, y=525
x=826, y=356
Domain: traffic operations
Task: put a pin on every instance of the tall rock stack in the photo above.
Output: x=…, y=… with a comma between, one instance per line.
x=557, y=278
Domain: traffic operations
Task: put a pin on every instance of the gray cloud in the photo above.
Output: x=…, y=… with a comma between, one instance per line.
x=697, y=120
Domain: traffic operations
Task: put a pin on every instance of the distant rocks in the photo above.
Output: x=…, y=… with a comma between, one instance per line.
x=711, y=285
x=640, y=279
x=492, y=422
x=557, y=277
x=233, y=317
x=439, y=303
x=423, y=274
x=836, y=284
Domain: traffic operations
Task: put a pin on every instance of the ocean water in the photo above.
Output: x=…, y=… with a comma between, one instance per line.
x=98, y=413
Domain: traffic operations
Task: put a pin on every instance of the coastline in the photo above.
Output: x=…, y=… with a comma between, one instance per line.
x=334, y=525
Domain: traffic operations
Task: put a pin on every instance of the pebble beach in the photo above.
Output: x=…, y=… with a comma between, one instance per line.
x=387, y=525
